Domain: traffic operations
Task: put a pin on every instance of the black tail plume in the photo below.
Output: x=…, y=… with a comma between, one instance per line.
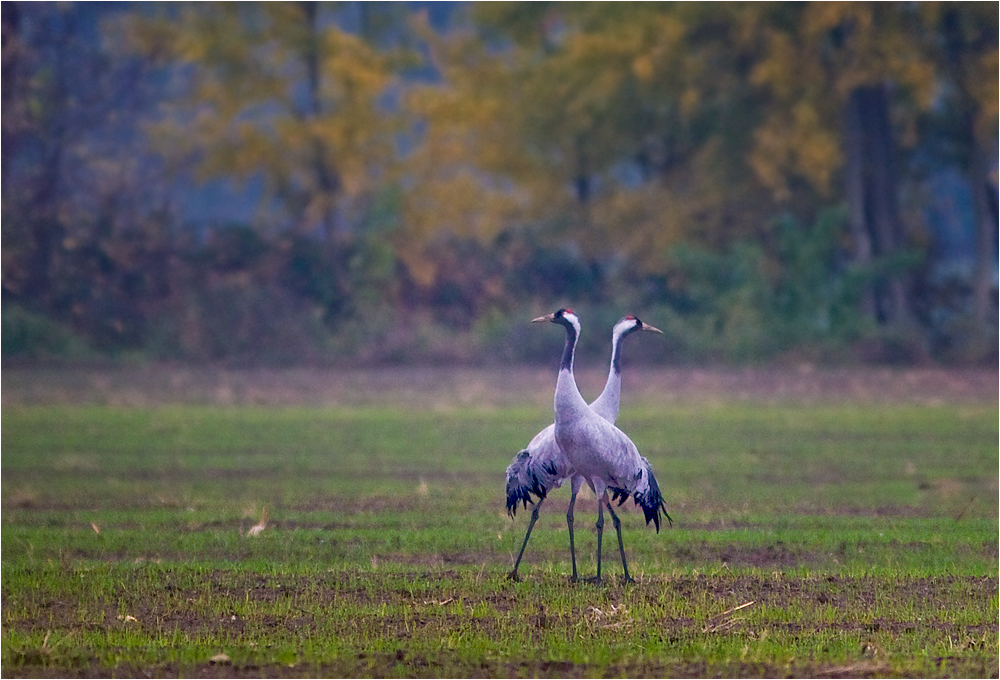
x=651, y=501
x=523, y=481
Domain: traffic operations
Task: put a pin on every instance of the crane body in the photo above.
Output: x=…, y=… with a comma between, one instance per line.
x=600, y=454
x=542, y=466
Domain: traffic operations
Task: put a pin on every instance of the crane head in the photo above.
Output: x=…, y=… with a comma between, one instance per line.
x=642, y=326
x=631, y=324
x=557, y=316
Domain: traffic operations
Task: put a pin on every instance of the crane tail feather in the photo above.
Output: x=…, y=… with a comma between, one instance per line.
x=620, y=495
x=525, y=478
x=651, y=500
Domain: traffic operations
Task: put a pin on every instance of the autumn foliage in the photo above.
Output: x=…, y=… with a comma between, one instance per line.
x=303, y=182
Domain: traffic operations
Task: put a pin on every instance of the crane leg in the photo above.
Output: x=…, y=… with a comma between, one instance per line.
x=513, y=576
x=621, y=546
x=569, y=523
x=600, y=534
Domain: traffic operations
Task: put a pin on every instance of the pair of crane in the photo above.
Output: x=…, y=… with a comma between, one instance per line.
x=584, y=446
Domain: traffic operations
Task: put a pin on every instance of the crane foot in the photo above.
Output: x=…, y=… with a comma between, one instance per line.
x=514, y=576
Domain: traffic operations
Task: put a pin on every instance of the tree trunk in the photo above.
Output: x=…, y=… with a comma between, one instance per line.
x=984, y=199
x=327, y=180
x=959, y=51
x=871, y=194
x=885, y=203
x=855, y=186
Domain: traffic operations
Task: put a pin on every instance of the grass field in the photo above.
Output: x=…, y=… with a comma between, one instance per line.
x=832, y=537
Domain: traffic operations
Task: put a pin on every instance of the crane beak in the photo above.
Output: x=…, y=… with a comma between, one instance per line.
x=646, y=327
x=547, y=317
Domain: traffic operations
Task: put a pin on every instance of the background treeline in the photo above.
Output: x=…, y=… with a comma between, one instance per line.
x=365, y=182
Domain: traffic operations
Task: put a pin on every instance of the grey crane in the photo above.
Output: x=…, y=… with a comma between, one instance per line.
x=542, y=466
x=598, y=452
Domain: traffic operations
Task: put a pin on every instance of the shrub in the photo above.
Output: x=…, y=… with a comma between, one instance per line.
x=28, y=335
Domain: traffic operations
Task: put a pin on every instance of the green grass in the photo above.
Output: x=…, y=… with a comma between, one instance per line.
x=831, y=539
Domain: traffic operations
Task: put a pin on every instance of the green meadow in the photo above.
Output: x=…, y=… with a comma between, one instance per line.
x=831, y=539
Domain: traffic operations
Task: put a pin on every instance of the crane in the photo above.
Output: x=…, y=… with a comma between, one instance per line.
x=542, y=467
x=598, y=452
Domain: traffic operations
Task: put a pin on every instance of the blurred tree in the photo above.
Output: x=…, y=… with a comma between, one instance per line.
x=628, y=128
x=849, y=55
x=551, y=151
x=867, y=73
x=282, y=99
x=616, y=126
x=280, y=93
x=965, y=47
x=84, y=228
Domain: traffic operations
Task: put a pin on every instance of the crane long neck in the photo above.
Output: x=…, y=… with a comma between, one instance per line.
x=569, y=350
x=616, y=367
x=607, y=404
x=568, y=397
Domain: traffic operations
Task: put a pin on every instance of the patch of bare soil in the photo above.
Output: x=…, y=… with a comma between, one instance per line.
x=452, y=387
